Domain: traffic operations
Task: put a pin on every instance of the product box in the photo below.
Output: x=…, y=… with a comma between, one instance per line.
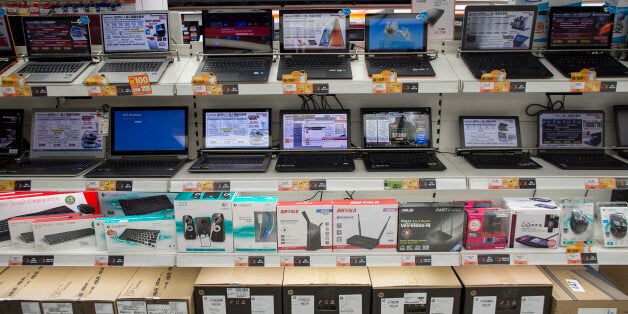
x=577, y=222
x=26, y=298
x=304, y=226
x=69, y=289
x=487, y=228
x=123, y=203
x=21, y=229
x=326, y=290
x=535, y=222
x=581, y=289
x=204, y=221
x=612, y=224
x=140, y=233
x=621, y=22
x=242, y=290
x=439, y=15
x=365, y=225
x=101, y=294
x=415, y=290
x=617, y=275
x=12, y=280
x=255, y=223
x=475, y=203
x=64, y=233
x=504, y=290
x=430, y=227
x=175, y=293
x=140, y=288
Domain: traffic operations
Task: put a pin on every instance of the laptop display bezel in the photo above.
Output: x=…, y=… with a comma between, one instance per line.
x=463, y=145
x=413, y=16
x=70, y=56
x=622, y=142
x=592, y=9
x=102, y=28
x=539, y=133
x=270, y=138
x=365, y=111
x=19, y=131
x=282, y=49
x=205, y=19
x=497, y=8
x=10, y=53
x=283, y=113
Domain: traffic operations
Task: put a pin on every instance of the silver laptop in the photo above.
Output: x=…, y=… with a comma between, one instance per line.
x=134, y=43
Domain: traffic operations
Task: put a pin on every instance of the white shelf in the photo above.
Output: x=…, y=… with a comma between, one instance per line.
x=86, y=257
x=558, y=256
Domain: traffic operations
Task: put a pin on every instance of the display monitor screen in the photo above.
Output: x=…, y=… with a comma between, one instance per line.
x=314, y=31
x=237, y=129
x=395, y=32
x=139, y=32
x=315, y=129
x=498, y=132
x=233, y=32
x=582, y=129
x=56, y=35
x=55, y=131
x=621, y=119
x=495, y=29
x=583, y=27
x=158, y=130
x=396, y=128
x=10, y=132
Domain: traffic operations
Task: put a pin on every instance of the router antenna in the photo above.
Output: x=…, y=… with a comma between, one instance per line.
x=359, y=226
x=382, y=232
x=307, y=219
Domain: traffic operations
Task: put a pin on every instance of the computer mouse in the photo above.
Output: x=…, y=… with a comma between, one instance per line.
x=86, y=209
x=579, y=221
x=618, y=225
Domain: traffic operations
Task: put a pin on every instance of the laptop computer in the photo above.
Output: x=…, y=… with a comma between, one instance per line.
x=315, y=140
x=235, y=140
x=146, y=142
x=58, y=48
x=238, y=44
x=574, y=140
x=315, y=41
x=496, y=37
x=621, y=126
x=7, y=48
x=394, y=33
x=64, y=142
x=11, y=123
x=134, y=43
x=584, y=27
x=493, y=142
x=399, y=139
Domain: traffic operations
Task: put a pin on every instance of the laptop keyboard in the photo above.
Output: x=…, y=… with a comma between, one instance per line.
x=134, y=66
x=391, y=161
x=34, y=163
x=62, y=237
x=516, y=65
x=315, y=162
x=487, y=161
x=398, y=62
x=145, y=205
x=4, y=223
x=233, y=64
x=604, y=64
x=585, y=161
x=146, y=237
x=314, y=62
x=243, y=160
x=142, y=163
x=51, y=67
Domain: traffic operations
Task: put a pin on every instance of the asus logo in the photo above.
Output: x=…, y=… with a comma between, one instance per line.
x=407, y=210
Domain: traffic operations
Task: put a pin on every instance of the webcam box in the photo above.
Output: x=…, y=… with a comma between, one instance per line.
x=612, y=226
x=204, y=222
x=535, y=222
x=365, y=225
x=486, y=228
x=304, y=226
x=140, y=234
x=64, y=233
x=577, y=222
x=255, y=224
x=21, y=229
x=430, y=227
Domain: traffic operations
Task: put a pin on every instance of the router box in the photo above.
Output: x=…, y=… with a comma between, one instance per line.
x=304, y=226
x=535, y=222
x=365, y=225
x=430, y=227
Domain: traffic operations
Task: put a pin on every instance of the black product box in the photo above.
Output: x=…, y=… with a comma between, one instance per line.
x=430, y=227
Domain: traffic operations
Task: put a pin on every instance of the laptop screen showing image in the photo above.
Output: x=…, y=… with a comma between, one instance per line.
x=139, y=32
x=397, y=32
x=233, y=32
x=571, y=129
x=56, y=36
x=66, y=131
x=495, y=28
x=580, y=28
x=320, y=129
x=397, y=128
x=313, y=31
x=490, y=132
x=10, y=132
x=6, y=41
x=228, y=129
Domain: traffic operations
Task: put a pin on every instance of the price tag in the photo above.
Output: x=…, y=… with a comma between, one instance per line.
x=140, y=85
x=622, y=183
x=302, y=185
x=588, y=258
x=511, y=183
x=15, y=260
x=101, y=260
x=320, y=88
x=296, y=261
x=493, y=259
x=469, y=259
x=251, y=261
x=386, y=83
x=423, y=260
x=15, y=185
x=574, y=258
x=520, y=259
x=343, y=261
x=296, y=83
x=108, y=260
x=584, y=82
x=38, y=260
x=357, y=260
x=206, y=186
x=410, y=88
x=410, y=184
x=14, y=85
x=608, y=86
x=108, y=185
x=600, y=183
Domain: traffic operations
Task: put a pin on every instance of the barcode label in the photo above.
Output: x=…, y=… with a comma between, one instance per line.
x=57, y=308
x=214, y=304
x=238, y=293
x=302, y=304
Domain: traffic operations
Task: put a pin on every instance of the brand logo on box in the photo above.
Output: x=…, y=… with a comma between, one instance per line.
x=347, y=210
x=70, y=199
x=407, y=210
x=289, y=211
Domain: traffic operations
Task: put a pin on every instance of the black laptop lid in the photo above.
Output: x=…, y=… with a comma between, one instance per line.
x=315, y=129
x=56, y=37
x=498, y=27
x=135, y=32
x=490, y=132
x=581, y=129
x=621, y=124
x=11, y=123
x=397, y=127
x=312, y=31
x=7, y=48
x=242, y=129
x=395, y=32
x=580, y=28
x=227, y=32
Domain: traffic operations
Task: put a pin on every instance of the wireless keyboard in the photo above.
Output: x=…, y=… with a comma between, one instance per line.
x=145, y=205
x=28, y=237
x=146, y=237
x=4, y=223
x=61, y=237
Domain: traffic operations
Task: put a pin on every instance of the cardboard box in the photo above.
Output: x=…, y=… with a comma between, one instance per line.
x=577, y=222
x=21, y=229
x=68, y=290
x=27, y=297
x=255, y=224
x=326, y=290
x=415, y=290
x=175, y=293
x=304, y=226
x=12, y=280
x=580, y=289
x=242, y=290
x=365, y=225
x=64, y=233
x=102, y=293
x=486, y=228
x=612, y=226
x=141, y=287
x=110, y=202
x=617, y=275
x=204, y=221
x=140, y=234
x=430, y=227
x=535, y=222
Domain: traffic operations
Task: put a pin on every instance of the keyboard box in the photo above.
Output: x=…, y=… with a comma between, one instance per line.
x=204, y=221
x=611, y=229
x=255, y=224
x=110, y=202
x=21, y=229
x=535, y=222
x=365, y=225
x=577, y=222
x=99, y=226
x=430, y=227
x=63, y=233
x=145, y=233
x=486, y=228
x=304, y=226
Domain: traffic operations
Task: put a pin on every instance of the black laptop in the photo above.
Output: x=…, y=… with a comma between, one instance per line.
x=493, y=142
x=391, y=33
x=496, y=37
x=583, y=27
x=235, y=140
x=11, y=123
x=621, y=126
x=399, y=139
x=146, y=142
x=314, y=141
x=238, y=45
x=314, y=41
x=7, y=48
x=574, y=140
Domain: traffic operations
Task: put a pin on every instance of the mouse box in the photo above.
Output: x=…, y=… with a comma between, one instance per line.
x=304, y=226
x=535, y=222
x=255, y=224
x=577, y=223
x=612, y=224
x=365, y=225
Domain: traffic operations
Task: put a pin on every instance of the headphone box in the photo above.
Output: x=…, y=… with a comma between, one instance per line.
x=365, y=225
x=430, y=227
x=535, y=222
x=304, y=226
x=255, y=224
x=486, y=228
x=577, y=222
x=612, y=227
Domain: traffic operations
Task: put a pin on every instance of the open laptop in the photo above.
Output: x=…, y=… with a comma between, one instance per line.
x=621, y=126
x=314, y=41
x=398, y=139
x=394, y=33
x=7, y=48
x=493, y=142
x=315, y=140
x=64, y=142
x=11, y=123
x=496, y=37
x=58, y=48
x=134, y=43
x=574, y=140
x=586, y=27
x=235, y=140
x=146, y=142
x=238, y=44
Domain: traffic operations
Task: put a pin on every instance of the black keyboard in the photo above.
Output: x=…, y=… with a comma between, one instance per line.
x=146, y=237
x=243, y=160
x=141, y=163
x=516, y=65
x=145, y=205
x=61, y=237
x=603, y=63
x=34, y=163
x=235, y=64
x=504, y=161
x=398, y=62
x=51, y=67
x=314, y=162
x=315, y=62
x=132, y=66
x=4, y=223
x=28, y=237
x=402, y=161
x=585, y=161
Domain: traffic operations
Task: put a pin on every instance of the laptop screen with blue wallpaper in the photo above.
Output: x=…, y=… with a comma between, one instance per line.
x=149, y=131
x=397, y=32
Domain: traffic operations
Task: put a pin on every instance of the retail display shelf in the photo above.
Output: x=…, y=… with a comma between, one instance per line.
x=62, y=184
x=127, y=184
x=84, y=257
x=559, y=256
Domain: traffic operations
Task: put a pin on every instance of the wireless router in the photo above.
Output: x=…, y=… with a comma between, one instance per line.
x=313, y=234
x=440, y=235
x=366, y=242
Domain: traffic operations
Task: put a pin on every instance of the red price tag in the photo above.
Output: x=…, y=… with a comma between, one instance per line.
x=140, y=85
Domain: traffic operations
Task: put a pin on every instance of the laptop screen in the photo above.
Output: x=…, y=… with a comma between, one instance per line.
x=315, y=129
x=621, y=121
x=490, y=132
x=149, y=131
x=138, y=32
x=237, y=129
x=6, y=40
x=233, y=32
x=396, y=127
x=56, y=36
x=313, y=31
x=395, y=32
x=11, y=121
x=580, y=28
x=66, y=130
x=571, y=129
x=499, y=27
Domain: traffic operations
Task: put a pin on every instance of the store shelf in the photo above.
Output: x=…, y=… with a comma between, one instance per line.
x=558, y=256
x=127, y=184
x=84, y=257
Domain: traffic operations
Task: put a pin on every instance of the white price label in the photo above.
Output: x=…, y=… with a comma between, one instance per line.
x=598, y=311
x=238, y=293
x=415, y=298
x=214, y=304
x=469, y=259
x=532, y=304
x=484, y=305
x=131, y=307
x=350, y=303
x=392, y=306
x=103, y=308
x=289, y=88
x=57, y=308
x=302, y=304
x=30, y=308
x=170, y=308
x=262, y=304
x=379, y=87
x=441, y=305
x=199, y=89
x=575, y=285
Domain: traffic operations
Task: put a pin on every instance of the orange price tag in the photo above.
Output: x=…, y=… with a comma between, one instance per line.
x=140, y=84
